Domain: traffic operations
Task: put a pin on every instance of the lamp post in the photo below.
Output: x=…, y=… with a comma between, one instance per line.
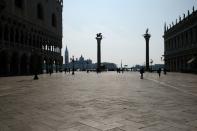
x=73, y=70
x=99, y=37
x=147, y=38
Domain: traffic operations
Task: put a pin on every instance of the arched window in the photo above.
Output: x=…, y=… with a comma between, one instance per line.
x=12, y=34
x=17, y=36
x=1, y=32
x=40, y=12
x=54, y=20
x=19, y=3
x=6, y=33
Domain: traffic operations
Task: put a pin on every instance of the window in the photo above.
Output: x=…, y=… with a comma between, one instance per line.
x=191, y=36
x=40, y=12
x=6, y=33
x=0, y=31
x=195, y=35
x=12, y=35
x=54, y=20
x=17, y=36
x=178, y=42
x=186, y=37
x=19, y=3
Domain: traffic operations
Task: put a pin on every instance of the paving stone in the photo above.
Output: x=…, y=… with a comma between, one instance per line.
x=80, y=128
x=192, y=123
x=99, y=102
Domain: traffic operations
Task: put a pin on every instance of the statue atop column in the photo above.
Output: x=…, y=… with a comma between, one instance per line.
x=99, y=37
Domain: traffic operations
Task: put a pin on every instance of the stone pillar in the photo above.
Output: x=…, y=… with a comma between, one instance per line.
x=174, y=64
x=147, y=38
x=8, y=69
x=99, y=38
x=171, y=63
x=19, y=69
x=19, y=38
x=177, y=63
x=56, y=67
x=183, y=62
x=28, y=68
x=194, y=35
x=8, y=36
x=47, y=67
x=2, y=39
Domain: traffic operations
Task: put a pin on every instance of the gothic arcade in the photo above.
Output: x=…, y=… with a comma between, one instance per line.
x=30, y=36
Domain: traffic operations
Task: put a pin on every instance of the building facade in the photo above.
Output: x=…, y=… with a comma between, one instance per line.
x=30, y=36
x=180, y=44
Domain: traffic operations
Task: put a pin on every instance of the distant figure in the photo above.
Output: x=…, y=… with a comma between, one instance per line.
x=118, y=70
x=159, y=72
x=36, y=76
x=69, y=70
x=50, y=71
x=65, y=70
x=87, y=71
x=141, y=72
x=122, y=70
x=164, y=71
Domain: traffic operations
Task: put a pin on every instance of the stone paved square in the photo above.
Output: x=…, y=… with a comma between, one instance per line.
x=99, y=102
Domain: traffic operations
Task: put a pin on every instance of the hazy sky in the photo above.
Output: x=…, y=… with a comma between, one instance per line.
x=122, y=22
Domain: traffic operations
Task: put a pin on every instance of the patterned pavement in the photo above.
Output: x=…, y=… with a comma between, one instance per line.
x=99, y=102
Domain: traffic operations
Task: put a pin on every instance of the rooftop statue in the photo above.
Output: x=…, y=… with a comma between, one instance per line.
x=99, y=36
x=147, y=31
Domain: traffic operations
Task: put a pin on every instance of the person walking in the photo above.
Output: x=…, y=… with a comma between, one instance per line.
x=50, y=71
x=164, y=71
x=159, y=72
x=141, y=73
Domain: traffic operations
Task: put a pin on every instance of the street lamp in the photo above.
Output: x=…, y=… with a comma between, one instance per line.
x=73, y=70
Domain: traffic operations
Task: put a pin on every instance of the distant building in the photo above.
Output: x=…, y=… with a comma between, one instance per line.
x=154, y=67
x=109, y=66
x=180, y=44
x=82, y=64
x=79, y=64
